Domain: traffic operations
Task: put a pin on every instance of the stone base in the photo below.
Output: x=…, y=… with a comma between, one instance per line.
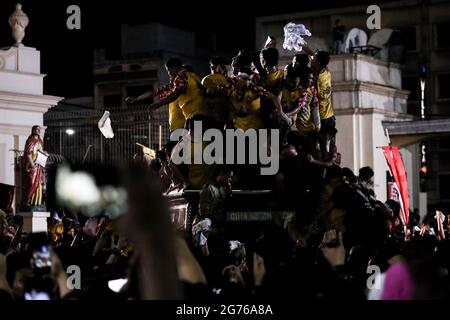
x=34, y=221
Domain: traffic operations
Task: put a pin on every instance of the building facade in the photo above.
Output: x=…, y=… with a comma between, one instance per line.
x=22, y=99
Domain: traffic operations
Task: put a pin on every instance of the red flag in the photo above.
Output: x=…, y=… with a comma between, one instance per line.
x=397, y=168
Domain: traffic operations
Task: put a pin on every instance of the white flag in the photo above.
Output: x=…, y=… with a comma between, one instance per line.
x=104, y=124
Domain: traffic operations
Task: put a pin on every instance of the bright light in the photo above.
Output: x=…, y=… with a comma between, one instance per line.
x=70, y=132
x=116, y=285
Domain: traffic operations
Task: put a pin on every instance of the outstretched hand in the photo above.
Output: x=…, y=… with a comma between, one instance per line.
x=130, y=100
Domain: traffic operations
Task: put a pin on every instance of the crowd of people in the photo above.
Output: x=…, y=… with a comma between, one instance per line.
x=254, y=93
x=336, y=242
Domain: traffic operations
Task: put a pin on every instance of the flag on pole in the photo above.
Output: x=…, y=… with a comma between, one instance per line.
x=400, y=184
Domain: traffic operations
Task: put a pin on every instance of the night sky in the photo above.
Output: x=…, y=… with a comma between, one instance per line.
x=67, y=55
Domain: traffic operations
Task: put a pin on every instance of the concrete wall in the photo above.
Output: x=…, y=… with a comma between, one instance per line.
x=22, y=103
x=367, y=92
x=421, y=16
x=20, y=71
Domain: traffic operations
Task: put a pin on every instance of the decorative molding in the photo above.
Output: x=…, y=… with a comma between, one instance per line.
x=418, y=127
x=37, y=75
x=363, y=57
x=365, y=111
x=27, y=102
x=29, y=98
x=5, y=53
x=362, y=86
x=21, y=130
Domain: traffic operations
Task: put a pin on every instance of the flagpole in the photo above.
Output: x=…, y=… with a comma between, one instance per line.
x=389, y=141
x=160, y=137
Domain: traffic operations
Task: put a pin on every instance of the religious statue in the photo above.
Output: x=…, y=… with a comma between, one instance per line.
x=35, y=160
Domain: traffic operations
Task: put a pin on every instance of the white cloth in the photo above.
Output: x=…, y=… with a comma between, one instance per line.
x=293, y=36
x=234, y=244
x=104, y=124
x=204, y=225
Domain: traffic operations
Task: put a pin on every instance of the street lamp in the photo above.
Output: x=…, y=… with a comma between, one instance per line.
x=70, y=132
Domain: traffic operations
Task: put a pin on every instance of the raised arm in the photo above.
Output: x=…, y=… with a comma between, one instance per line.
x=147, y=225
x=302, y=102
x=177, y=87
x=259, y=90
x=279, y=108
x=308, y=51
x=170, y=98
x=146, y=95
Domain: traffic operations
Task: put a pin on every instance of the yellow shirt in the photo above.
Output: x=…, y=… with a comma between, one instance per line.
x=289, y=101
x=217, y=105
x=199, y=174
x=304, y=122
x=176, y=117
x=212, y=81
x=246, y=112
x=324, y=94
x=273, y=81
x=192, y=101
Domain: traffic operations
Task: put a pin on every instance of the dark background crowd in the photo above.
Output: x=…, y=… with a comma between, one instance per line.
x=322, y=249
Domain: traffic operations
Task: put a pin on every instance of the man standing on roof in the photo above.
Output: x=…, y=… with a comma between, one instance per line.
x=184, y=88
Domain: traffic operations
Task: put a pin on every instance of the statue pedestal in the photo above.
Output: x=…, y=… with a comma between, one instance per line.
x=34, y=221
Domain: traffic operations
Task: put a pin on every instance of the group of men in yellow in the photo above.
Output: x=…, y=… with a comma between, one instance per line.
x=256, y=95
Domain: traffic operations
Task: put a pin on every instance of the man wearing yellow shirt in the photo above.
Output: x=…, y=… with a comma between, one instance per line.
x=299, y=101
x=245, y=96
x=184, y=87
x=273, y=81
x=176, y=117
x=217, y=103
x=308, y=119
x=323, y=84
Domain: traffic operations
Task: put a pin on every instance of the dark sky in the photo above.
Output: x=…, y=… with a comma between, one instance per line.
x=67, y=55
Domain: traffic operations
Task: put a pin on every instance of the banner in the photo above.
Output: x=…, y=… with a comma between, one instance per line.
x=393, y=192
x=398, y=172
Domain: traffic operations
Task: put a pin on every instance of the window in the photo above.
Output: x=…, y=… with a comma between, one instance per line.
x=407, y=38
x=411, y=84
x=444, y=182
x=444, y=161
x=444, y=142
x=443, y=86
x=113, y=100
x=443, y=35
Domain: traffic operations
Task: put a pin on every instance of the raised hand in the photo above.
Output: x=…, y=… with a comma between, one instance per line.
x=147, y=225
x=332, y=248
x=259, y=269
x=130, y=100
